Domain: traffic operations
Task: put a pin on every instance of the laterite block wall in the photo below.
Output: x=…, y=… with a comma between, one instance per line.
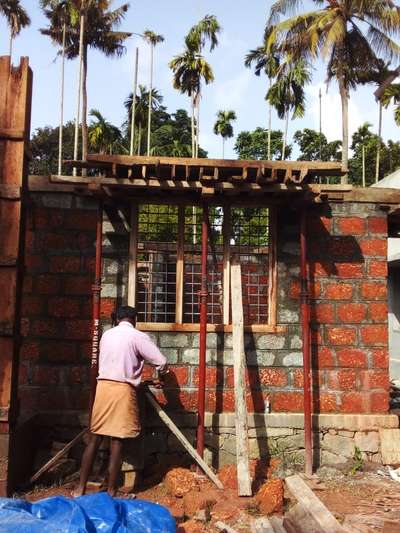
x=348, y=269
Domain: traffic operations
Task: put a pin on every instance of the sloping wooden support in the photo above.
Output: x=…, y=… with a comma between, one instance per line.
x=15, y=102
x=182, y=439
x=239, y=363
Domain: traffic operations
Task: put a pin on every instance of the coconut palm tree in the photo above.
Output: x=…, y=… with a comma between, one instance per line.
x=142, y=110
x=347, y=35
x=91, y=24
x=287, y=93
x=16, y=17
x=189, y=68
x=223, y=126
x=206, y=30
x=153, y=39
x=267, y=62
x=102, y=134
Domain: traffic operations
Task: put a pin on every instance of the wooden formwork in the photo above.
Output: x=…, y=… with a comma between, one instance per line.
x=15, y=102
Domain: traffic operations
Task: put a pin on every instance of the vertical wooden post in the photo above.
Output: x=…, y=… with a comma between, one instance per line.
x=239, y=366
x=272, y=269
x=133, y=240
x=180, y=265
x=15, y=104
x=226, y=233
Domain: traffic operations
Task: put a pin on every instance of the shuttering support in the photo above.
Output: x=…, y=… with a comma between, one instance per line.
x=15, y=103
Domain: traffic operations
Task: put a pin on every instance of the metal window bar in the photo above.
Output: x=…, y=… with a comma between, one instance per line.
x=250, y=244
x=192, y=265
x=156, y=263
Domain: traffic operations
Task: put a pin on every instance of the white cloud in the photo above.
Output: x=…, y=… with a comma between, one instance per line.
x=230, y=94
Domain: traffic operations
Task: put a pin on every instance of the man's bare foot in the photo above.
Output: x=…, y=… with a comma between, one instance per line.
x=79, y=491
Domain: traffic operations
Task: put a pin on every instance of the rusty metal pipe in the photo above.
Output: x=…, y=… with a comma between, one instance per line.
x=96, y=290
x=305, y=324
x=203, y=335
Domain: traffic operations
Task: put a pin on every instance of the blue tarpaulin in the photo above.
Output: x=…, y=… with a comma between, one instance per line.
x=87, y=514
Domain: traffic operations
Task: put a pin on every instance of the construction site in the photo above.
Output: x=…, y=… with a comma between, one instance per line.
x=271, y=286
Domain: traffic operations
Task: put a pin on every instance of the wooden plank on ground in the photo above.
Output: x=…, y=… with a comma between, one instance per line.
x=239, y=363
x=261, y=525
x=390, y=446
x=182, y=439
x=310, y=505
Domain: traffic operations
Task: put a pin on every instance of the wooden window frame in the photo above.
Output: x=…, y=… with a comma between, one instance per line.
x=271, y=327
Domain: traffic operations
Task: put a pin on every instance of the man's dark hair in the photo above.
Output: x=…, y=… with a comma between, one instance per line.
x=126, y=312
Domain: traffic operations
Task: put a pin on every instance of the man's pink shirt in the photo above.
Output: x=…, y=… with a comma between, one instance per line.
x=123, y=351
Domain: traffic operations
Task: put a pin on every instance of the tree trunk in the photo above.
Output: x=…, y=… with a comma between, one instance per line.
x=363, y=166
x=150, y=99
x=192, y=125
x=378, y=150
x=84, y=109
x=269, y=127
x=11, y=47
x=139, y=139
x=60, y=133
x=345, y=128
x=285, y=134
x=133, y=109
x=78, y=102
x=197, y=124
x=223, y=147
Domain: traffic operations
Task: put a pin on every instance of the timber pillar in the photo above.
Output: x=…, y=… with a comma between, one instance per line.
x=15, y=111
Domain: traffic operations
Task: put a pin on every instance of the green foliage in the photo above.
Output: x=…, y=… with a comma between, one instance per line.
x=358, y=461
x=314, y=147
x=15, y=15
x=253, y=144
x=223, y=125
x=44, y=145
x=389, y=156
x=104, y=137
x=287, y=93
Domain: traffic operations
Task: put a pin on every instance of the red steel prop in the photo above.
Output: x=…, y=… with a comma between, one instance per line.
x=96, y=290
x=305, y=323
x=203, y=334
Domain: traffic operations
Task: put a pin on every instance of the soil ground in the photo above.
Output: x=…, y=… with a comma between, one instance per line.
x=363, y=502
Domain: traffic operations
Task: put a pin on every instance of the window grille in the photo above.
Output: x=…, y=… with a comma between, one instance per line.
x=156, y=263
x=168, y=264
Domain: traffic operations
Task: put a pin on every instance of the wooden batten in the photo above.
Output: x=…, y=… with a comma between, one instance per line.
x=180, y=265
x=132, y=268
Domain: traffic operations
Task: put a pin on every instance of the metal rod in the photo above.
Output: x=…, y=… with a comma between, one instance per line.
x=203, y=335
x=96, y=290
x=133, y=110
x=305, y=323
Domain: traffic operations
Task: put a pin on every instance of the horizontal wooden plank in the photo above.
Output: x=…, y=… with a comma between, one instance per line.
x=7, y=261
x=256, y=328
x=334, y=167
x=10, y=192
x=11, y=134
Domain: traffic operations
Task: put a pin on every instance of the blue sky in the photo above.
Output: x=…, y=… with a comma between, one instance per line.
x=235, y=87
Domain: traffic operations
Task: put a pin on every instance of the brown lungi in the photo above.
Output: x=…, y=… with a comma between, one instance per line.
x=115, y=410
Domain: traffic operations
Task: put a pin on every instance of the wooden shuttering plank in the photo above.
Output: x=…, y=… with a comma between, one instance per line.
x=242, y=446
x=311, y=505
x=180, y=265
x=132, y=267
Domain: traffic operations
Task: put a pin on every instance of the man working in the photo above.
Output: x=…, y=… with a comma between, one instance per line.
x=115, y=413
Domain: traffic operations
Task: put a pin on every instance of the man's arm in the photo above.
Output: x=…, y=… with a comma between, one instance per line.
x=152, y=354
